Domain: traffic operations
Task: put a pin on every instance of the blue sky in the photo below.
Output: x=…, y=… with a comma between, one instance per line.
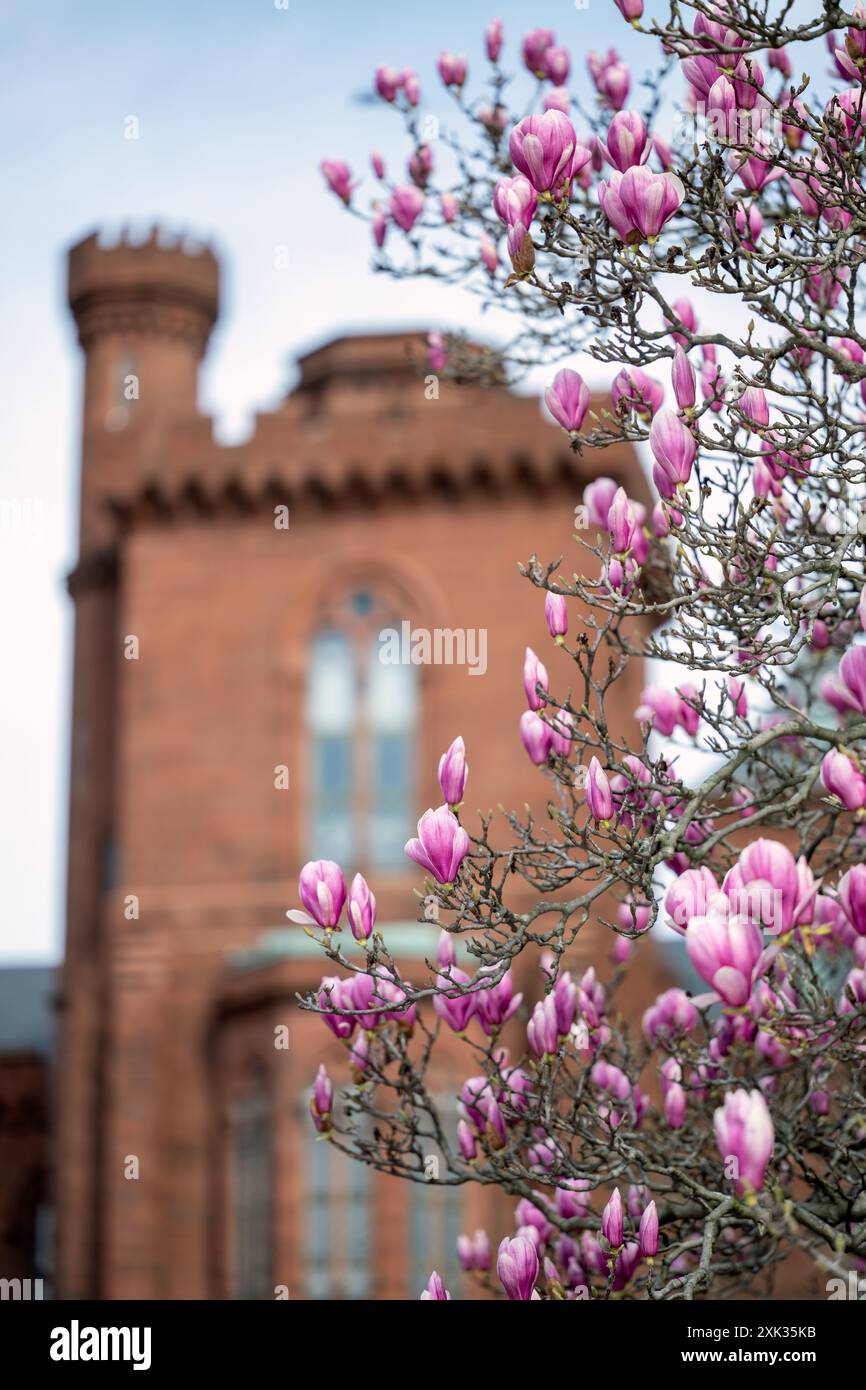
x=237, y=101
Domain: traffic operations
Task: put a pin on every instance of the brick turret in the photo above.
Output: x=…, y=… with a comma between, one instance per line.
x=144, y=312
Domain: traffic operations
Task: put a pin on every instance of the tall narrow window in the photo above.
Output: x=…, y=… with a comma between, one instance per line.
x=331, y=715
x=362, y=715
x=252, y=1205
x=337, y=1216
x=390, y=719
x=435, y=1218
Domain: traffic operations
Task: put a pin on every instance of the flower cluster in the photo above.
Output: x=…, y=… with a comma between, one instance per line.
x=711, y=275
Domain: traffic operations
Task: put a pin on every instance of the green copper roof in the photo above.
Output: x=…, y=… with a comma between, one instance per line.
x=408, y=940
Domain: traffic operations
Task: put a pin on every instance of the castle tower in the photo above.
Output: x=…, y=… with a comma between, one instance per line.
x=144, y=313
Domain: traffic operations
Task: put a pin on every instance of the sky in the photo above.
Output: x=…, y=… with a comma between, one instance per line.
x=236, y=103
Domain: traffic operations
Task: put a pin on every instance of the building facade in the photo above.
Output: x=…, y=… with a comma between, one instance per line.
x=231, y=720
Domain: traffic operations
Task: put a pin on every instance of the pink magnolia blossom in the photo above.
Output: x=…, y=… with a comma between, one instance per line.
x=407, y=204
x=380, y=227
x=322, y=889
x=534, y=675
x=411, y=87
x=437, y=352
x=613, y=84
x=542, y=147
x=597, y=499
x=778, y=58
x=744, y=1132
x=671, y=1016
x=683, y=380
x=633, y=389
x=726, y=952
x=542, y=1032
x=843, y=779
x=852, y=897
x=673, y=448
x=452, y=69
x=441, y=845
x=338, y=177
x=649, y=1232
x=456, y=1006
x=650, y=200
x=534, y=47
x=435, y=1289
x=335, y=993
x=627, y=141
x=322, y=1101
x=361, y=909
x=765, y=884
x=515, y=200
x=474, y=1251
x=555, y=614
x=685, y=314
x=517, y=1267
x=387, y=82
x=611, y=1079
x=665, y=709
x=675, y=1106
x=556, y=64
x=453, y=772
x=561, y=731
x=568, y=399
x=420, y=166
x=557, y=99
x=536, y=736
x=493, y=39
x=599, y=797
x=449, y=207
x=495, y=1004
x=623, y=524
x=489, y=255
x=852, y=677
x=754, y=407
x=614, y=208
x=611, y=1221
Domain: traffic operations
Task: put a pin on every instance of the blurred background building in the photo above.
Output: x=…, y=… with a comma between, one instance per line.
x=231, y=720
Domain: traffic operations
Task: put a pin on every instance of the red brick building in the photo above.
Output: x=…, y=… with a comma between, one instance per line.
x=227, y=605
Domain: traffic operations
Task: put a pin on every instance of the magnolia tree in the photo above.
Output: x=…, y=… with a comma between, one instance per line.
x=691, y=1153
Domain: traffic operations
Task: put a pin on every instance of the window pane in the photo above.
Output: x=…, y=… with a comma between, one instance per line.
x=332, y=836
x=392, y=710
x=391, y=693
x=331, y=691
x=333, y=767
x=391, y=801
x=436, y=1219
x=330, y=712
x=252, y=1204
x=337, y=1216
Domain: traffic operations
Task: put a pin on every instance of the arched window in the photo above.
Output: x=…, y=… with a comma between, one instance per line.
x=362, y=717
